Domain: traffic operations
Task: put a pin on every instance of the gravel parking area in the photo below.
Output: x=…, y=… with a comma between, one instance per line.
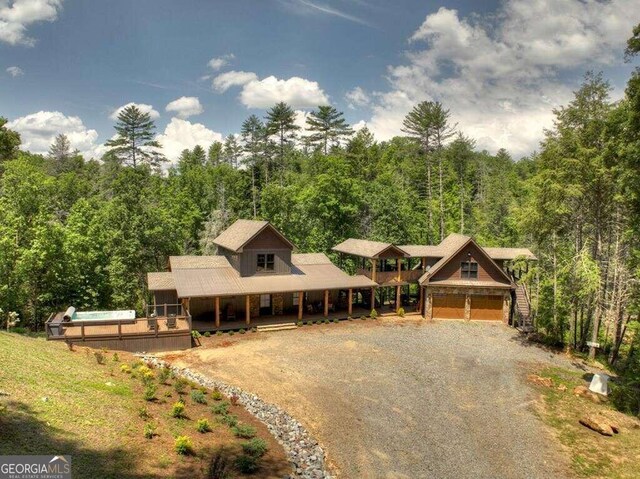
x=399, y=398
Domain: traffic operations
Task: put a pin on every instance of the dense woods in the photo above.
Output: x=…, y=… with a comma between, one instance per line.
x=85, y=231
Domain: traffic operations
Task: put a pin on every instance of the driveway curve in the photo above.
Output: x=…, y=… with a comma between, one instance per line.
x=399, y=398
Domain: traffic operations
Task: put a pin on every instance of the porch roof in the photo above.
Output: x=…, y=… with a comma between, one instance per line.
x=161, y=281
x=367, y=249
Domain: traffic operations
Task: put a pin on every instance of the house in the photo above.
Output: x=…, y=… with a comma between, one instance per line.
x=256, y=275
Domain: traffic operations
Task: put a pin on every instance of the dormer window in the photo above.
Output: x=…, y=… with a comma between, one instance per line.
x=266, y=262
x=469, y=269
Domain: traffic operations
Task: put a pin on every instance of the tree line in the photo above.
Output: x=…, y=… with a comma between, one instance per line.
x=86, y=232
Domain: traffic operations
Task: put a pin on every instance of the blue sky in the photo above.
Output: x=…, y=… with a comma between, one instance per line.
x=67, y=65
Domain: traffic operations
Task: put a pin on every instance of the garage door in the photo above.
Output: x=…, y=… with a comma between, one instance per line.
x=486, y=307
x=449, y=306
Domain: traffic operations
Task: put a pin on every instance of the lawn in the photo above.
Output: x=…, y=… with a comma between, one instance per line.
x=592, y=454
x=56, y=401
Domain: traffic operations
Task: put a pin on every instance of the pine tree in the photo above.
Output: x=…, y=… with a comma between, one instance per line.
x=281, y=123
x=328, y=127
x=214, y=154
x=232, y=151
x=135, y=142
x=253, y=134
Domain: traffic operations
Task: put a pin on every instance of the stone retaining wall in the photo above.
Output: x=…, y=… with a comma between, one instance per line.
x=304, y=452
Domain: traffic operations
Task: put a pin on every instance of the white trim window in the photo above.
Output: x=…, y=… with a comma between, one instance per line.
x=265, y=300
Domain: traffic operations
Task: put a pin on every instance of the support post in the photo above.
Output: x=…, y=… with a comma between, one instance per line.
x=399, y=267
x=217, y=309
x=326, y=303
x=247, y=310
x=373, y=298
x=398, y=296
x=300, y=301
x=350, y=302
x=506, y=307
x=421, y=301
x=374, y=266
x=428, y=306
x=467, y=307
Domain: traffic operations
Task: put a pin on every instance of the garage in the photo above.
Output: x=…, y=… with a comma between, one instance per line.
x=486, y=307
x=448, y=306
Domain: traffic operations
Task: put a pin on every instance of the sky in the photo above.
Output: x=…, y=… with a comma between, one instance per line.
x=202, y=67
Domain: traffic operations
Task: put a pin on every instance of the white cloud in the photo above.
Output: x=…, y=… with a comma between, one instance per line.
x=141, y=106
x=180, y=134
x=38, y=130
x=217, y=63
x=15, y=71
x=357, y=98
x=17, y=15
x=501, y=74
x=185, y=106
x=223, y=82
x=297, y=92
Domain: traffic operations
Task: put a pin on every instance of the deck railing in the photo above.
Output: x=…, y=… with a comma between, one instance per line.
x=386, y=276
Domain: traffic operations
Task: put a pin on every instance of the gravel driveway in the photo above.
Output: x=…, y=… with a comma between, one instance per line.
x=399, y=398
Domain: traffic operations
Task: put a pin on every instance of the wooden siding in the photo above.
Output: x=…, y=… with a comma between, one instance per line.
x=486, y=307
x=267, y=239
x=149, y=344
x=249, y=258
x=165, y=297
x=233, y=258
x=449, y=306
x=487, y=271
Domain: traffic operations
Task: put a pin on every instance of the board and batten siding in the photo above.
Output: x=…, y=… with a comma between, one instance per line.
x=249, y=261
x=487, y=271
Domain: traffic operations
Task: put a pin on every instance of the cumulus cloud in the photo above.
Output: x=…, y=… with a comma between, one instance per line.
x=17, y=15
x=217, y=63
x=224, y=81
x=180, y=134
x=141, y=106
x=297, y=92
x=38, y=130
x=357, y=98
x=185, y=106
x=15, y=71
x=500, y=75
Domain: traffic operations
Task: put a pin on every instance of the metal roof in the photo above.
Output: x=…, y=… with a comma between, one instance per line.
x=198, y=262
x=241, y=232
x=509, y=253
x=422, y=251
x=161, y=281
x=366, y=248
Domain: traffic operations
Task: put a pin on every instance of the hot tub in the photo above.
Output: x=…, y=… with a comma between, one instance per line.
x=103, y=315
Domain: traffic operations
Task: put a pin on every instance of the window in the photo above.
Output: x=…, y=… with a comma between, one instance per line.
x=295, y=299
x=265, y=300
x=266, y=262
x=469, y=270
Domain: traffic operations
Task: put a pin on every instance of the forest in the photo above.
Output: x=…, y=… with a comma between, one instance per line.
x=86, y=231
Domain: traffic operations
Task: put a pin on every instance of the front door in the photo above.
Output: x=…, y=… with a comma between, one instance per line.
x=265, y=305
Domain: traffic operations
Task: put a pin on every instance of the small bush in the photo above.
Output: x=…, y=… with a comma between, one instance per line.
x=207, y=334
x=147, y=378
x=99, y=355
x=115, y=358
x=400, y=312
x=309, y=323
x=183, y=445
x=195, y=334
x=149, y=430
x=256, y=447
x=167, y=394
x=125, y=368
x=363, y=318
x=244, y=431
x=177, y=410
x=299, y=323
x=254, y=330
x=216, y=395
x=326, y=321
x=218, y=333
x=137, y=363
x=336, y=320
x=349, y=318
x=163, y=375
x=219, y=466
x=319, y=322
x=221, y=408
x=143, y=413
x=242, y=331
x=198, y=396
x=150, y=392
x=230, y=420
x=180, y=385
x=203, y=426
x=231, y=333
x=246, y=464
x=374, y=314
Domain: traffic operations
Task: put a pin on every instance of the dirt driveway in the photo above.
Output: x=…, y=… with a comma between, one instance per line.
x=399, y=398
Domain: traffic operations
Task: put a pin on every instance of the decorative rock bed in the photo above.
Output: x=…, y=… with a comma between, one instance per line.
x=304, y=452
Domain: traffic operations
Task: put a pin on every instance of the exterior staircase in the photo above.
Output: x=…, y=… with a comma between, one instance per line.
x=523, y=309
x=263, y=328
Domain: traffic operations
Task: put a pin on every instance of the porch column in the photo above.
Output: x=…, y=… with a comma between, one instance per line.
x=326, y=303
x=350, y=302
x=374, y=266
x=300, y=301
x=373, y=298
x=247, y=309
x=398, y=295
x=217, y=309
x=467, y=307
x=506, y=308
x=399, y=267
x=421, y=301
x=423, y=261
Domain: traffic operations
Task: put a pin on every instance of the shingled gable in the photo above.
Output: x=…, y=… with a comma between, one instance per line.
x=370, y=249
x=451, y=246
x=236, y=236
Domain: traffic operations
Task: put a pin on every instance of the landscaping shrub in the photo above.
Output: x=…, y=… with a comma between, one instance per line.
x=400, y=312
x=148, y=378
x=221, y=408
x=299, y=323
x=254, y=330
x=179, y=385
x=137, y=363
x=207, y=334
x=326, y=321
x=219, y=466
x=150, y=392
x=143, y=413
x=246, y=464
x=125, y=368
x=149, y=430
x=336, y=320
x=218, y=333
x=242, y=331
x=195, y=335
x=203, y=426
x=167, y=394
x=99, y=355
x=374, y=314
x=115, y=358
x=231, y=333
x=163, y=375
x=363, y=318
x=177, y=410
x=230, y=420
x=256, y=447
x=244, y=431
x=198, y=396
x=349, y=318
x=183, y=445
x=216, y=395
x=309, y=323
